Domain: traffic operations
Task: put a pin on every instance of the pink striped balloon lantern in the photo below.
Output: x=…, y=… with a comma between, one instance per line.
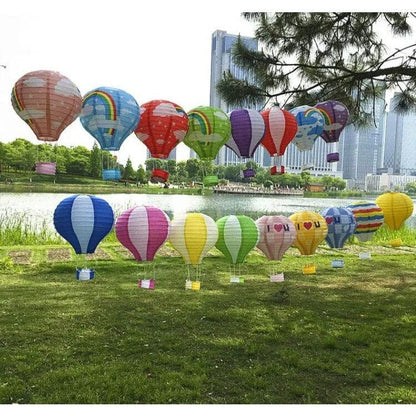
x=143, y=230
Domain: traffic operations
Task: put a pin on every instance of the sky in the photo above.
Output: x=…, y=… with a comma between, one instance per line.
x=151, y=49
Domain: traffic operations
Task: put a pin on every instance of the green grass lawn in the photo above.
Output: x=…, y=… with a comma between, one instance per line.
x=340, y=336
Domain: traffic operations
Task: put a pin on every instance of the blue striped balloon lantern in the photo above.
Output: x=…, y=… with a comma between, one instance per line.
x=341, y=225
x=83, y=221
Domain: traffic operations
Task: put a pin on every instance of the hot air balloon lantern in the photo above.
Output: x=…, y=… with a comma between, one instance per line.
x=247, y=131
x=311, y=230
x=277, y=233
x=83, y=221
x=209, y=129
x=143, y=230
x=280, y=129
x=192, y=235
x=369, y=217
x=163, y=125
x=48, y=102
x=110, y=115
x=310, y=126
x=237, y=236
x=341, y=225
x=336, y=117
x=397, y=208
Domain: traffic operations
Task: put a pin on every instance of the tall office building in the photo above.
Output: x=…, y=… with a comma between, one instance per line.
x=361, y=149
x=222, y=61
x=399, y=152
x=294, y=160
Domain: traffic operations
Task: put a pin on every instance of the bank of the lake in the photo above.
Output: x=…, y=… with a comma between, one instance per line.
x=26, y=182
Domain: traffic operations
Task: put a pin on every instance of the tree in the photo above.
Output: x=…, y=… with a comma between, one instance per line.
x=411, y=187
x=129, y=172
x=193, y=169
x=171, y=167
x=95, y=162
x=311, y=57
x=233, y=173
x=79, y=161
x=141, y=175
x=153, y=163
x=181, y=173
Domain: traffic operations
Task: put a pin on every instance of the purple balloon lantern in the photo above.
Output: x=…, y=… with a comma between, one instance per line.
x=336, y=117
x=247, y=131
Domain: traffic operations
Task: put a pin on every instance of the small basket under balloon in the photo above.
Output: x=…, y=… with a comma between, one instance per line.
x=111, y=174
x=337, y=264
x=309, y=269
x=85, y=274
x=190, y=285
x=46, y=168
x=396, y=242
x=332, y=157
x=277, y=170
x=147, y=284
x=159, y=176
x=236, y=279
x=211, y=180
x=279, y=277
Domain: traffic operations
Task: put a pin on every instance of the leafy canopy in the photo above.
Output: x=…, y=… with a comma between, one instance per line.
x=311, y=57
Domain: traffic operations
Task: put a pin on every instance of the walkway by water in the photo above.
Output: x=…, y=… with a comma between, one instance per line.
x=255, y=190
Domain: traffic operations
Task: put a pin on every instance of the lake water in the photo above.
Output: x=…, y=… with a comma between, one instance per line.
x=38, y=208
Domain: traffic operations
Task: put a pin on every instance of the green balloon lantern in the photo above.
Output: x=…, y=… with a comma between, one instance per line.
x=209, y=129
x=237, y=236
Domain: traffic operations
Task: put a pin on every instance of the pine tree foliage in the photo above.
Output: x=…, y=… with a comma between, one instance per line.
x=306, y=58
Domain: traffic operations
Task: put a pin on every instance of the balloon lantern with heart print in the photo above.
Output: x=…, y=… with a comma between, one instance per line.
x=341, y=225
x=276, y=234
x=311, y=230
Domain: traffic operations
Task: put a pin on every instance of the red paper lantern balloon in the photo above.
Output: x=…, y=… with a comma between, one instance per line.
x=47, y=101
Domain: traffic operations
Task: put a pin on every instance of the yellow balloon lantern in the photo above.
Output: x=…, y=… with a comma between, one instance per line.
x=311, y=230
x=397, y=208
x=193, y=235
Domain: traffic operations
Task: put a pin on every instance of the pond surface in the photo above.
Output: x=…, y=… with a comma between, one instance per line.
x=37, y=208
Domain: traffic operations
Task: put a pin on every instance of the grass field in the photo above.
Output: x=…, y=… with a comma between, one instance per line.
x=340, y=336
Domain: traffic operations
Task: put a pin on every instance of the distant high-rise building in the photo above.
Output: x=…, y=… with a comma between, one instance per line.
x=361, y=148
x=294, y=160
x=221, y=61
x=399, y=156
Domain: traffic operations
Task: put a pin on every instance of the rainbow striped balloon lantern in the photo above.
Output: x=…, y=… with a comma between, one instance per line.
x=48, y=102
x=369, y=217
x=310, y=123
x=336, y=117
x=110, y=115
x=209, y=129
